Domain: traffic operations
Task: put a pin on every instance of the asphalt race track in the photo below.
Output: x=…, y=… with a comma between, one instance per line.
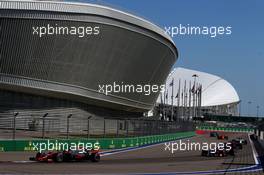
x=146, y=160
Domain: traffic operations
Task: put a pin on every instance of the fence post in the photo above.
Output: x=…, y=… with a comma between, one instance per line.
x=14, y=125
x=43, y=125
x=68, y=124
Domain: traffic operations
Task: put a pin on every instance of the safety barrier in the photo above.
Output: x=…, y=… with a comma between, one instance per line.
x=103, y=143
x=226, y=129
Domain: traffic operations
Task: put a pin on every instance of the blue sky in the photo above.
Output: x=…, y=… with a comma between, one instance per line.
x=238, y=58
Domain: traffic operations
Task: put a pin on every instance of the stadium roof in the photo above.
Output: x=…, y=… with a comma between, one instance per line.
x=84, y=8
x=215, y=90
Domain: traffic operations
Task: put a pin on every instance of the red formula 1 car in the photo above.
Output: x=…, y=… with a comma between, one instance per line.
x=67, y=156
x=222, y=137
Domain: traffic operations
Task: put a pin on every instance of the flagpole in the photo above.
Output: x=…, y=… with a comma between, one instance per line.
x=163, y=108
x=179, y=96
x=196, y=100
x=166, y=110
x=193, y=100
x=195, y=105
x=184, y=113
x=172, y=111
x=200, y=110
x=182, y=103
x=194, y=95
x=190, y=99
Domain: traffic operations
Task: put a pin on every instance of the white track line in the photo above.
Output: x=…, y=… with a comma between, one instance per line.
x=141, y=147
x=255, y=154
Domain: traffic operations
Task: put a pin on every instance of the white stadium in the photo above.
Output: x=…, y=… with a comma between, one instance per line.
x=211, y=94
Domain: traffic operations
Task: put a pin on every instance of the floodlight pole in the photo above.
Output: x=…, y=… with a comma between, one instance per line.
x=127, y=127
x=117, y=128
x=104, y=129
x=43, y=125
x=68, y=124
x=258, y=111
x=249, y=103
x=88, y=126
x=14, y=125
x=240, y=107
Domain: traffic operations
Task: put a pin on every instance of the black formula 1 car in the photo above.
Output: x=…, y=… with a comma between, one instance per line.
x=218, y=153
x=67, y=156
x=241, y=140
x=214, y=153
x=253, y=137
x=236, y=144
x=213, y=134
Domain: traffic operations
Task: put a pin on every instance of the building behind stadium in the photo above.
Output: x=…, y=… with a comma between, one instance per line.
x=192, y=93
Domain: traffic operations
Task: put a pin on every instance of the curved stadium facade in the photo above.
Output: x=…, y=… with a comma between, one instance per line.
x=64, y=71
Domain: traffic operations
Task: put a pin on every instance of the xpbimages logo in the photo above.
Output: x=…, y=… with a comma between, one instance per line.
x=211, y=31
x=58, y=145
x=196, y=146
x=79, y=31
x=116, y=87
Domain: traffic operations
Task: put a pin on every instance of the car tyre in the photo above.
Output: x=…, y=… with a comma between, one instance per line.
x=95, y=157
x=59, y=157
